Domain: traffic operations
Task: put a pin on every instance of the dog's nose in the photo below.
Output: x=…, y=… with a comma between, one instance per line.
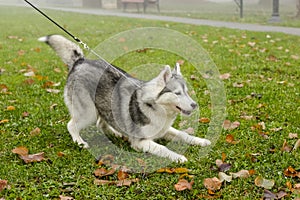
x=194, y=105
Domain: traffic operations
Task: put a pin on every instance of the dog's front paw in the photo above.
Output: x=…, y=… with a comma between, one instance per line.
x=179, y=158
x=200, y=141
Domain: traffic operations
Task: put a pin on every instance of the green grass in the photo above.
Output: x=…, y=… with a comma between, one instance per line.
x=261, y=68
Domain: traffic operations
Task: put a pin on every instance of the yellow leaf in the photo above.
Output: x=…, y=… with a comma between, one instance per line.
x=10, y=108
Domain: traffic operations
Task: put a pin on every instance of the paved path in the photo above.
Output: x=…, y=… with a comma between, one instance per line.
x=233, y=25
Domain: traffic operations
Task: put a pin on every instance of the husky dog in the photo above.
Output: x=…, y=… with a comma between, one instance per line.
x=99, y=93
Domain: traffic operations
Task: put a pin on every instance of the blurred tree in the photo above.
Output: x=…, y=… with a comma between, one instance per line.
x=298, y=9
x=92, y=3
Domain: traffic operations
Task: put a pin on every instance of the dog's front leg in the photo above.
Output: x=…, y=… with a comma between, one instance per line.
x=174, y=134
x=152, y=147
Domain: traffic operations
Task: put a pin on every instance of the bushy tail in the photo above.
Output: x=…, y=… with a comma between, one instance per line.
x=68, y=51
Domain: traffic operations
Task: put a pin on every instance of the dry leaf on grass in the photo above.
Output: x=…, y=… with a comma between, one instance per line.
x=291, y=172
x=286, y=147
x=212, y=184
x=204, y=120
x=297, y=145
x=125, y=182
x=241, y=174
x=20, y=150
x=230, y=139
x=38, y=157
x=61, y=197
x=28, y=158
x=293, y=135
x=227, y=125
x=173, y=170
x=3, y=184
x=122, y=175
x=100, y=172
x=183, y=185
x=224, y=177
x=265, y=183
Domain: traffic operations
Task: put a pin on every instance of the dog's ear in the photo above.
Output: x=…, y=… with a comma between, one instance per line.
x=164, y=76
x=176, y=70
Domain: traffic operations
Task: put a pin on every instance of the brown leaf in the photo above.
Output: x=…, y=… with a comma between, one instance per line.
x=223, y=156
x=225, y=76
x=100, y=172
x=238, y=85
x=227, y=125
x=183, y=185
x=25, y=114
x=204, y=120
x=3, y=88
x=35, y=131
x=293, y=135
x=241, y=174
x=103, y=182
x=126, y=182
x=38, y=157
x=20, y=150
x=10, y=108
x=212, y=183
x=54, y=91
x=286, y=147
x=122, y=175
x=265, y=183
x=291, y=172
x=4, y=121
x=61, y=197
x=3, y=184
x=230, y=139
x=60, y=154
x=297, y=145
x=173, y=170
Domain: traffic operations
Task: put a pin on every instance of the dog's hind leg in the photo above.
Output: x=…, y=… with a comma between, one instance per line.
x=156, y=149
x=174, y=134
x=83, y=113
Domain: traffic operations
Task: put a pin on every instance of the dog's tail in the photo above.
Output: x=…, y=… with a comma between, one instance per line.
x=68, y=51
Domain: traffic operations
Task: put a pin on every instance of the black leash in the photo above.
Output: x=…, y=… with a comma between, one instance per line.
x=85, y=46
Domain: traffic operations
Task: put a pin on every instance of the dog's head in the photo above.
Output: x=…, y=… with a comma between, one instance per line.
x=169, y=90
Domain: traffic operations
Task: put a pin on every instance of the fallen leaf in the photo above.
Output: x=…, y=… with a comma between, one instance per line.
x=3, y=184
x=180, y=62
x=269, y=195
x=212, y=183
x=238, y=85
x=126, y=182
x=38, y=157
x=55, y=91
x=3, y=88
x=225, y=76
x=25, y=114
x=61, y=197
x=286, y=147
x=122, y=175
x=183, y=185
x=35, y=131
x=291, y=172
x=241, y=174
x=60, y=154
x=223, y=157
x=297, y=145
x=10, y=108
x=204, y=120
x=4, y=121
x=224, y=177
x=265, y=183
x=29, y=74
x=100, y=172
x=276, y=129
x=227, y=125
x=247, y=117
x=230, y=139
x=173, y=170
x=20, y=150
x=293, y=135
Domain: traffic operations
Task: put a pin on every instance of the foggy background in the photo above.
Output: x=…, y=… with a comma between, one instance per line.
x=206, y=9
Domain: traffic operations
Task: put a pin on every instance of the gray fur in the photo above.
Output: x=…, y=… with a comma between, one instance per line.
x=97, y=92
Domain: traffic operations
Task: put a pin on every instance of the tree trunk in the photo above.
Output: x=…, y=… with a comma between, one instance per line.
x=298, y=9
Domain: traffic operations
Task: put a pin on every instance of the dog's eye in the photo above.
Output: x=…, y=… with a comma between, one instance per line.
x=178, y=93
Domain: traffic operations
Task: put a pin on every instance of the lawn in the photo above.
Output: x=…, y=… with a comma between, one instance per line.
x=260, y=72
